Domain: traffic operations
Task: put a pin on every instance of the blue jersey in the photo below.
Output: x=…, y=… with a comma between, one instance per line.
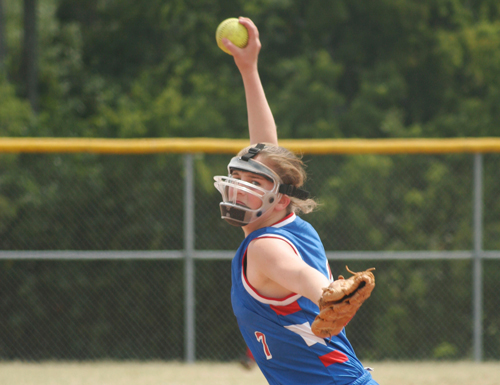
x=278, y=331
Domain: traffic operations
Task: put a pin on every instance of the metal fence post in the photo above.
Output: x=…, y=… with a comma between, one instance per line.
x=477, y=278
x=189, y=268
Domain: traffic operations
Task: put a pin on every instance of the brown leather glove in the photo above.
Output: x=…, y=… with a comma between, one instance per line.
x=340, y=302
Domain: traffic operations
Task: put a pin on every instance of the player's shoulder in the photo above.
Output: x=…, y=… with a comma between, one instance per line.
x=269, y=244
x=267, y=240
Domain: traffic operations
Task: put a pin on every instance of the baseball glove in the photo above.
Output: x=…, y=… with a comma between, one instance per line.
x=340, y=302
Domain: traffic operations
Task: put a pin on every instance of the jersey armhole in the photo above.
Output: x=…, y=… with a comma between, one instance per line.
x=252, y=291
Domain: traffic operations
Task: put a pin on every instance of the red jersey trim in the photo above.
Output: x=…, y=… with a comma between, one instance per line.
x=294, y=307
x=335, y=357
x=285, y=221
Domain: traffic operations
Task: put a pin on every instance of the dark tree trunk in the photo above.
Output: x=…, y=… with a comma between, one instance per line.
x=30, y=53
x=3, y=46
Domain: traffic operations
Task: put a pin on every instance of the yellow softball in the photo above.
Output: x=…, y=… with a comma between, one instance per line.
x=232, y=30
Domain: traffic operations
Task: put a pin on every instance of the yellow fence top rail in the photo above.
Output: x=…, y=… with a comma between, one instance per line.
x=232, y=146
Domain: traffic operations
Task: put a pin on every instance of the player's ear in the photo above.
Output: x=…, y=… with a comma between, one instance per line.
x=283, y=203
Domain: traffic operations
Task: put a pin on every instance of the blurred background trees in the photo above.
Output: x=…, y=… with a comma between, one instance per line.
x=345, y=69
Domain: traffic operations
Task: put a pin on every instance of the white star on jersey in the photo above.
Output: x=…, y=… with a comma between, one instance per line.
x=304, y=330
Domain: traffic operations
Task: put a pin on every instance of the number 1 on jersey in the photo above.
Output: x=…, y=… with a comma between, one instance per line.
x=261, y=337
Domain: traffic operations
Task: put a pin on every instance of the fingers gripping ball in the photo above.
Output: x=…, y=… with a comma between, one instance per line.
x=340, y=301
x=232, y=30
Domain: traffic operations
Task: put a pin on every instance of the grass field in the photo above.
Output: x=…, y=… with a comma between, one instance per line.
x=161, y=373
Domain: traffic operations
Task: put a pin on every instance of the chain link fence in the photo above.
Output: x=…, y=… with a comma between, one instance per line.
x=97, y=261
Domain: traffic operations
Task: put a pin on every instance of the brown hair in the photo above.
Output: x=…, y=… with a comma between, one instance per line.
x=290, y=169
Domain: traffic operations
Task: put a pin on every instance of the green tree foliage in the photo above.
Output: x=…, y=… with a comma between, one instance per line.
x=346, y=69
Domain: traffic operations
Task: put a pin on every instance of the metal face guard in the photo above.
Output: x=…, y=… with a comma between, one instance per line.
x=253, y=166
x=237, y=214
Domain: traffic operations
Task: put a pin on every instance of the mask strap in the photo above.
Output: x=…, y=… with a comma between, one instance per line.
x=293, y=191
x=252, y=152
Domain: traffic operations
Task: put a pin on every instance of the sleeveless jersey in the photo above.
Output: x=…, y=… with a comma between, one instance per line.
x=278, y=331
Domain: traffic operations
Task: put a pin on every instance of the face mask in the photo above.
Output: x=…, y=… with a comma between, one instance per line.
x=239, y=215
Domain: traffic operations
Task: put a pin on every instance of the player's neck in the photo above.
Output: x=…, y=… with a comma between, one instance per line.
x=265, y=221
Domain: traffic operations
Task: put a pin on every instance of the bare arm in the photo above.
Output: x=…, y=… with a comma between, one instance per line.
x=261, y=125
x=274, y=270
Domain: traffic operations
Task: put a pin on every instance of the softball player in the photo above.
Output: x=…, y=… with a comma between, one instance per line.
x=280, y=268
